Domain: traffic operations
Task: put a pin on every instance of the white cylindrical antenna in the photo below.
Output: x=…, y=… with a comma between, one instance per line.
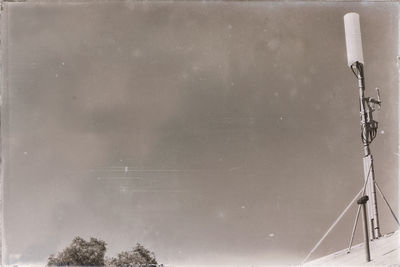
x=353, y=38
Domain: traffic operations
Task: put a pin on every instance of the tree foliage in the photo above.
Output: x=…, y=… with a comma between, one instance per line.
x=81, y=252
x=92, y=253
x=139, y=255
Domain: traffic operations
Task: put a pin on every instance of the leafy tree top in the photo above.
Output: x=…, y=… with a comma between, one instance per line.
x=81, y=252
x=139, y=255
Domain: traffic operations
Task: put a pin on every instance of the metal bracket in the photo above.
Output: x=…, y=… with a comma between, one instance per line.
x=372, y=102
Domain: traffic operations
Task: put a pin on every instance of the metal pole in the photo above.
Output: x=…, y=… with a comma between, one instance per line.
x=368, y=126
x=358, y=212
x=362, y=201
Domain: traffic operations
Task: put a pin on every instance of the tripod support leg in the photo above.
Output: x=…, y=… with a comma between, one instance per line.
x=354, y=228
x=387, y=203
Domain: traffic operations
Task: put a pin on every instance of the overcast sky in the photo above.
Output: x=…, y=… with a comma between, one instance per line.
x=212, y=133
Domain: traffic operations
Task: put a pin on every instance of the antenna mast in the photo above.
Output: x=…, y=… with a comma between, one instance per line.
x=369, y=126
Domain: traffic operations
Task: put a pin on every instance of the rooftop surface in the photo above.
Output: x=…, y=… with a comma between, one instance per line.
x=384, y=252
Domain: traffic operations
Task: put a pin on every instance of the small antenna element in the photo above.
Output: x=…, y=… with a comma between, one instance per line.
x=378, y=94
x=353, y=38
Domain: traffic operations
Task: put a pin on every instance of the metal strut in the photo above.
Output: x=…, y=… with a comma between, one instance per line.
x=387, y=203
x=354, y=229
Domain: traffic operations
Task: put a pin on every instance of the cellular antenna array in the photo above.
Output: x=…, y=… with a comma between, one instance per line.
x=366, y=197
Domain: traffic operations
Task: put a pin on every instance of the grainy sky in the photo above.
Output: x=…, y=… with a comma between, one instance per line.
x=212, y=133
